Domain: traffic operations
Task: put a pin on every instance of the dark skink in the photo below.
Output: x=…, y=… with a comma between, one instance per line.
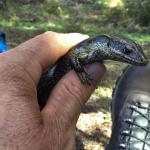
x=91, y=50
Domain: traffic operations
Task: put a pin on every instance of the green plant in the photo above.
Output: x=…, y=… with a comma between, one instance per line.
x=138, y=10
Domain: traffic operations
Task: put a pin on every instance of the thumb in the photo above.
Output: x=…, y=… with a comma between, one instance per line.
x=70, y=95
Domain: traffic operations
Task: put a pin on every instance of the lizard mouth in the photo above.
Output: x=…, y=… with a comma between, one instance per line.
x=135, y=59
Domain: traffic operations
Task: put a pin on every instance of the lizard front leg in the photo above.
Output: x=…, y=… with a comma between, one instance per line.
x=80, y=70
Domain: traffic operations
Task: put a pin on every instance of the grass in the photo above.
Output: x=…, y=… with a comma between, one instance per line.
x=32, y=19
x=23, y=21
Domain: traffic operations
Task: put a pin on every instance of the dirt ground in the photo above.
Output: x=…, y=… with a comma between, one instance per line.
x=94, y=127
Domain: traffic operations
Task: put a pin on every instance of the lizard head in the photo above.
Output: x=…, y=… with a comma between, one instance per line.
x=127, y=50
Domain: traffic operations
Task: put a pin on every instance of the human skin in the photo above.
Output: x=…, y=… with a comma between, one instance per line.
x=22, y=125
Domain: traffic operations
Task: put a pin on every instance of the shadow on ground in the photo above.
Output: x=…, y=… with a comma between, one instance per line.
x=102, y=105
x=96, y=136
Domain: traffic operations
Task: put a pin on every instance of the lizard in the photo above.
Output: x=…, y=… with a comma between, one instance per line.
x=96, y=49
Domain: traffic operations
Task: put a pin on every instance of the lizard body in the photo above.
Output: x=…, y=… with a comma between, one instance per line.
x=91, y=50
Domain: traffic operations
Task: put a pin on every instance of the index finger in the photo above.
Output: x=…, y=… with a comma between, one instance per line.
x=44, y=50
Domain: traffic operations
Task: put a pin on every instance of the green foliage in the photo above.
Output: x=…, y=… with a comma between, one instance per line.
x=114, y=16
x=22, y=21
x=139, y=10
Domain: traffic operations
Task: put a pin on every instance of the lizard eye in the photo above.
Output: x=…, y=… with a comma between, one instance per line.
x=127, y=50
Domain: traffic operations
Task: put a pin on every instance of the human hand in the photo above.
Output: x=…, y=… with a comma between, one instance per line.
x=22, y=125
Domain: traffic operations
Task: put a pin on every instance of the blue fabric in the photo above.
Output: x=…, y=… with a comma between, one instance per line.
x=3, y=43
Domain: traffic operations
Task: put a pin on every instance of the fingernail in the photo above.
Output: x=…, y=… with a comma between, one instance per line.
x=96, y=71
